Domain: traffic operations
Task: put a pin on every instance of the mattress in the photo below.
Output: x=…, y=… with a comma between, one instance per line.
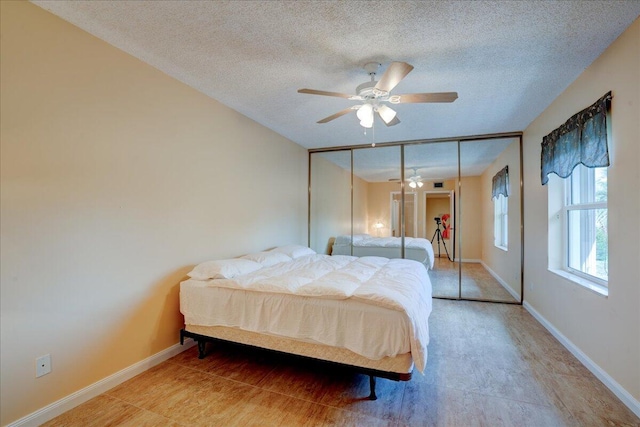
x=359, y=312
x=400, y=364
x=416, y=248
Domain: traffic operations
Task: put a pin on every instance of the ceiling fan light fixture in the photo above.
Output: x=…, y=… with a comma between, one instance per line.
x=365, y=113
x=420, y=184
x=412, y=184
x=366, y=124
x=386, y=113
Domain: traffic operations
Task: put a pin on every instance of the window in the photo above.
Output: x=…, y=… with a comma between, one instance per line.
x=500, y=221
x=577, y=153
x=585, y=224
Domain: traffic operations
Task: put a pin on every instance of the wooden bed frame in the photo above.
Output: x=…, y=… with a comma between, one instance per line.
x=248, y=339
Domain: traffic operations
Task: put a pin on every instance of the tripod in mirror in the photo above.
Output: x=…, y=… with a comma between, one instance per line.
x=438, y=235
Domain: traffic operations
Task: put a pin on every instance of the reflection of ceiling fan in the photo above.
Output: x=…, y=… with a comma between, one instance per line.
x=415, y=180
x=375, y=94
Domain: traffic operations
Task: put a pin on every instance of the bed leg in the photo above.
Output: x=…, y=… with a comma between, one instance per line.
x=372, y=386
x=202, y=347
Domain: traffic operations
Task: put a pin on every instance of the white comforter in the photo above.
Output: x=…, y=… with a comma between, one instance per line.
x=422, y=249
x=383, y=242
x=396, y=284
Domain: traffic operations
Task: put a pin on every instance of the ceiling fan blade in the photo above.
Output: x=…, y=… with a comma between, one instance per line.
x=324, y=93
x=336, y=115
x=394, y=74
x=425, y=97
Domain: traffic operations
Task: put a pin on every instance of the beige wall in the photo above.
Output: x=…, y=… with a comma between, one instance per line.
x=605, y=329
x=115, y=180
x=469, y=208
x=506, y=264
x=361, y=221
x=331, y=203
x=379, y=206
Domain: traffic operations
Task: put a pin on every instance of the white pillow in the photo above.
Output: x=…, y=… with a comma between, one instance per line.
x=267, y=259
x=294, y=251
x=223, y=269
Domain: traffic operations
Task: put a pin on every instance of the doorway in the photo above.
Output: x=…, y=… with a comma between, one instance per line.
x=439, y=222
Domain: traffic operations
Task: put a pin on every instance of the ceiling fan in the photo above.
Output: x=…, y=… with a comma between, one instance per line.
x=376, y=94
x=415, y=180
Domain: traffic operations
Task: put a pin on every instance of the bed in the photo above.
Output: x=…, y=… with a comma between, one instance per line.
x=370, y=313
x=415, y=248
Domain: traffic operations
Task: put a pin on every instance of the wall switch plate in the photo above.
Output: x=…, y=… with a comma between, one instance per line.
x=43, y=365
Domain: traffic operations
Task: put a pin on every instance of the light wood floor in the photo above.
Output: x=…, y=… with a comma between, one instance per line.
x=489, y=365
x=477, y=282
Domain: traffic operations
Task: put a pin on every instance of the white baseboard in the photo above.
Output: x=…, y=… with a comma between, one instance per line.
x=61, y=406
x=502, y=282
x=632, y=403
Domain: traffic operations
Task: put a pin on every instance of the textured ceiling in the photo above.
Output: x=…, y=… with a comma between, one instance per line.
x=507, y=60
x=432, y=161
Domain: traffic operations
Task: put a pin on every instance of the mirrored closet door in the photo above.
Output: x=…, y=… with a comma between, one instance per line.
x=490, y=220
x=329, y=199
x=377, y=201
x=432, y=169
x=459, y=202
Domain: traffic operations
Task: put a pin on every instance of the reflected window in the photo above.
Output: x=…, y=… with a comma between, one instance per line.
x=501, y=221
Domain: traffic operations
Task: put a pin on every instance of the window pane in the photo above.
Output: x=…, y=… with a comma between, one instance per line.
x=574, y=184
x=500, y=221
x=505, y=232
x=601, y=184
x=588, y=185
x=588, y=242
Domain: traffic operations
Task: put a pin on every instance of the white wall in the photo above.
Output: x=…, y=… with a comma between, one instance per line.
x=605, y=329
x=115, y=180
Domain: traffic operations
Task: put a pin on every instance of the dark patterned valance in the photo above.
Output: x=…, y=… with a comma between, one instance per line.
x=580, y=140
x=501, y=183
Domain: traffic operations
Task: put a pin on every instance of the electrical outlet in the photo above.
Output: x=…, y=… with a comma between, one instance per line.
x=43, y=365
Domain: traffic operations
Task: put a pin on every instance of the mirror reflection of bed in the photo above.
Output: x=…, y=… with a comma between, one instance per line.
x=468, y=260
